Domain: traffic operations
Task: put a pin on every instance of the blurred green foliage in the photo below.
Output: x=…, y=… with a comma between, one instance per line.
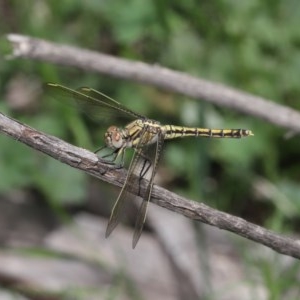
x=251, y=45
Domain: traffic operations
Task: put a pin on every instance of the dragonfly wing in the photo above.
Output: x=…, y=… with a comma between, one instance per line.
x=94, y=104
x=142, y=212
x=131, y=181
x=124, y=196
x=98, y=96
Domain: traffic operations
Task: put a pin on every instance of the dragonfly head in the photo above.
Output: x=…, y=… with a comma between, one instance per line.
x=114, y=137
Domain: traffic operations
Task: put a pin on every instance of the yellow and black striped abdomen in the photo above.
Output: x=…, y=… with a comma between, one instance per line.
x=172, y=132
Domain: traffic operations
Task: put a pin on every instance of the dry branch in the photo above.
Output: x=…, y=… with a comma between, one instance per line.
x=155, y=75
x=27, y=47
x=87, y=161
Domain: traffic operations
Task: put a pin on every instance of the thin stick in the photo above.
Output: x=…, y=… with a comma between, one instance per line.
x=27, y=47
x=88, y=162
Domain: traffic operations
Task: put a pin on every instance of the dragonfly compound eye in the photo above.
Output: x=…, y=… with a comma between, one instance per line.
x=113, y=137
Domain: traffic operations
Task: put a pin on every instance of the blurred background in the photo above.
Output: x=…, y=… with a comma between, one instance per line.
x=53, y=217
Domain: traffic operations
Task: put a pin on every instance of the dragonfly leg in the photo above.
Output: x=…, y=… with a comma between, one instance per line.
x=113, y=153
x=99, y=149
x=111, y=157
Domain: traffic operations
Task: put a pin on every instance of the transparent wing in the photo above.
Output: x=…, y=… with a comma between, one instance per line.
x=142, y=212
x=95, y=104
x=139, y=167
x=124, y=197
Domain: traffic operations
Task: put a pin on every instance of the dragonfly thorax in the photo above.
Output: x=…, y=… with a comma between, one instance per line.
x=136, y=134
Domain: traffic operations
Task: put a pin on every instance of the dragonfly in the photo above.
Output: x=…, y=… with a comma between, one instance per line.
x=145, y=136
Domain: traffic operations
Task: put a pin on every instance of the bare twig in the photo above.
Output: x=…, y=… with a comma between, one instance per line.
x=85, y=160
x=27, y=47
x=167, y=79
